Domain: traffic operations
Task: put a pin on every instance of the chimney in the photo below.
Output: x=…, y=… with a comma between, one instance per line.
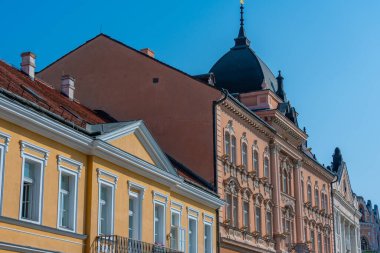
x=28, y=64
x=148, y=52
x=68, y=86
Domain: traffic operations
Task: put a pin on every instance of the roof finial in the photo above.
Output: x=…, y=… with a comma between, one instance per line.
x=242, y=40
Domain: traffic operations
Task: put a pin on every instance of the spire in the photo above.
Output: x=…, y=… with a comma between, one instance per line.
x=242, y=40
x=337, y=159
x=280, y=90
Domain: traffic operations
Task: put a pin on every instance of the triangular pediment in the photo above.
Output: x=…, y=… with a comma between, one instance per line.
x=344, y=186
x=134, y=138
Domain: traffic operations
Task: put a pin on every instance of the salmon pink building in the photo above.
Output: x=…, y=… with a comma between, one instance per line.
x=234, y=127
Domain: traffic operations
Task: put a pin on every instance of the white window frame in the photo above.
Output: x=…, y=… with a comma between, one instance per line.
x=42, y=162
x=179, y=213
x=195, y=218
x=73, y=212
x=163, y=204
x=113, y=186
x=207, y=223
x=134, y=188
x=3, y=150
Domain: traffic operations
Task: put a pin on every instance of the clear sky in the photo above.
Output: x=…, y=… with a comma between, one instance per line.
x=329, y=52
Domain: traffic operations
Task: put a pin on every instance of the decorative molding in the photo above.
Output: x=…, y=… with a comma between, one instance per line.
x=70, y=161
x=209, y=217
x=101, y=172
x=140, y=188
x=6, y=138
x=24, y=145
x=177, y=204
x=192, y=210
x=160, y=195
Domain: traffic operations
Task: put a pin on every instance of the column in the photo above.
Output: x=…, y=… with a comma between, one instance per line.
x=343, y=235
x=298, y=196
x=275, y=164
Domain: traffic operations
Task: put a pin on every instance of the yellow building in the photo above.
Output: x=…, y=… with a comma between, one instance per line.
x=72, y=181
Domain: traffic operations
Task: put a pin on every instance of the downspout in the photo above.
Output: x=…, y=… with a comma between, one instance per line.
x=214, y=104
x=333, y=213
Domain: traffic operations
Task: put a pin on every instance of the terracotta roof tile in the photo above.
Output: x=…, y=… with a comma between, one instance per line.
x=44, y=95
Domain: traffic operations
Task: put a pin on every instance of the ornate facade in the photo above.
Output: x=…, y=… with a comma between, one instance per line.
x=346, y=209
x=369, y=226
x=238, y=129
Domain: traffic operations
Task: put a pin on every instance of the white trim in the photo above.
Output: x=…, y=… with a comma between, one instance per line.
x=179, y=212
x=42, y=163
x=6, y=138
x=54, y=130
x=72, y=162
x=208, y=216
x=175, y=203
x=155, y=202
x=42, y=151
x=206, y=223
x=113, y=187
x=160, y=195
x=190, y=209
x=101, y=172
x=146, y=139
x=74, y=211
x=140, y=188
x=3, y=150
x=190, y=217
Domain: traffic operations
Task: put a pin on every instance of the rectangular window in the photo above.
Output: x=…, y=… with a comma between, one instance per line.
x=305, y=235
x=208, y=238
x=159, y=223
x=135, y=215
x=269, y=223
x=319, y=243
x=32, y=190
x=2, y=156
x=228, y=206
x=175, y=230
x=312, y=239
x=193, y=235
x=235, y=211
x=246, y=214
x=67, y=199
x=258, y=219
x=106, y=203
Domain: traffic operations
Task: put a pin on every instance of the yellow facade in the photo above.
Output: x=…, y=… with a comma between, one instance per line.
x=91, y=169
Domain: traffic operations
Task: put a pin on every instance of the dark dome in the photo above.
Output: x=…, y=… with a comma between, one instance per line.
x=240, y=70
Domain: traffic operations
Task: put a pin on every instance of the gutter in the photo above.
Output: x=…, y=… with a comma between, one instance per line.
x=332, y=202
x=214, y=104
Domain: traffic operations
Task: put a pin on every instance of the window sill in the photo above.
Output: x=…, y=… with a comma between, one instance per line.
x=33, y=225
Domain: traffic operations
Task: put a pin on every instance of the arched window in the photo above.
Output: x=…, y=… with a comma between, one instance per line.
x=256, y=162
x=316, y=197
x=289, y=183
x=302, y=191
x=309, y=193
x=323, y=200
x=266, y=167
x=227, y=145
x=285, y=181
x=364, y=243
x=233, y=149
x=244, y=155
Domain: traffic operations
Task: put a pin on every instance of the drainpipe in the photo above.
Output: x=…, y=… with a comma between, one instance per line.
x=332, y=202
x=214, y=104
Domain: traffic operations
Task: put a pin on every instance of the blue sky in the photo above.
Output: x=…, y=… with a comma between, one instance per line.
x=328, y=52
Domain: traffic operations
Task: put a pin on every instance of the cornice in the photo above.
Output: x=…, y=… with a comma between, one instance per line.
x=54, y=130
x=284, y=124
x=251, y=119
x=319, y=169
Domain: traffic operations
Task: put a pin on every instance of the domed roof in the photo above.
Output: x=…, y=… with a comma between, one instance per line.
x=240, y=70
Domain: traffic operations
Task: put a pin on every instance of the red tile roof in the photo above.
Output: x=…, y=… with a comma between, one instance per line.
x=45, y=96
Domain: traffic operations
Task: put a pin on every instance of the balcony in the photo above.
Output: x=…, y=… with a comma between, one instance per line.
x=118, y=244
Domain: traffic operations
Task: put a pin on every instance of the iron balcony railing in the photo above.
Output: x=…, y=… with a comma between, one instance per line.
x=118, y=244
